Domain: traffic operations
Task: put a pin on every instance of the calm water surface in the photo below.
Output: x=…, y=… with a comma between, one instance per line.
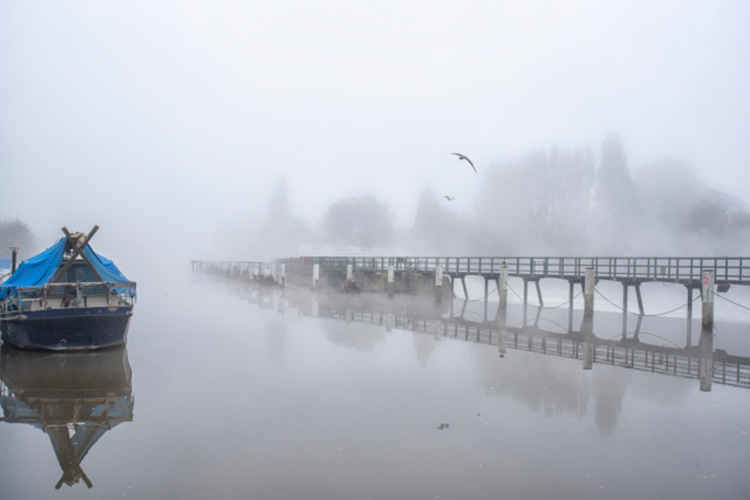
x=240, y=394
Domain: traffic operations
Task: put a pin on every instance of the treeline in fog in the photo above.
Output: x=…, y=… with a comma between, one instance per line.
x=553, y=201
x=15, y=233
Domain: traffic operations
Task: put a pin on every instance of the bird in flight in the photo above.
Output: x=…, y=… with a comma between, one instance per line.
x=467, y=159
x=449, y=197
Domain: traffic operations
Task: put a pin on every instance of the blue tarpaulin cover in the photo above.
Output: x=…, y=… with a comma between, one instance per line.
x=38, y=270
x=106, y=269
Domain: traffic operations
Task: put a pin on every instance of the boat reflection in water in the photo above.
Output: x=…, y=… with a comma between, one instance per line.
x=73, y=397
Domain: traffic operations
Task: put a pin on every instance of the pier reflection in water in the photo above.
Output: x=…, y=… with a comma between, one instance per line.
x=581, y=342
x=75, y=398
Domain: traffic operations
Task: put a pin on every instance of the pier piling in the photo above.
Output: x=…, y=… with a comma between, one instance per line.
x=625, y=290
x=439, y=283
x=707, y=289
x=525, y=292
x=316, y=276
x=588, y=292
x=502, y=286
x=706, y=363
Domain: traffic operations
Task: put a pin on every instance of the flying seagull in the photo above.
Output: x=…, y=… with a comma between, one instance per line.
x=449, y=197
x=464, y=157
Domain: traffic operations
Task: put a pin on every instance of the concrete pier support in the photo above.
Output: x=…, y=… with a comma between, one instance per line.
x=525, y=301
x=625, y=289
x=282, y=275
x=486, y=297
x=588, y=346
x=707, y=288
x=571, y=285
x=438, y=283
x=525, y=292
x=502, y=309
x=501, y=339
x=316, y=276
x=588, y=292
x=689, y=319
x=390, y=280
x=706, y=366
x=349, y=273
x=502, y=287
x=463, y=284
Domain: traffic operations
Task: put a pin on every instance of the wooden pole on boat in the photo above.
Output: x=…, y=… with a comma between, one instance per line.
x=77, y=247
x=14, y=257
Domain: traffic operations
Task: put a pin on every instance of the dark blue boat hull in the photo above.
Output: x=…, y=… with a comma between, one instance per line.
x=69, y=329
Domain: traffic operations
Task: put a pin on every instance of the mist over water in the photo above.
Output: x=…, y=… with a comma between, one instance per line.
x=255, y=131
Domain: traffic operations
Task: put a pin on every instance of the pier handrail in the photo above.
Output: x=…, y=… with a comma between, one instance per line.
x=730, y=269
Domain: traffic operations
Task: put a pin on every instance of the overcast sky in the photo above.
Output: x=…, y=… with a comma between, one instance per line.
x=153, y=117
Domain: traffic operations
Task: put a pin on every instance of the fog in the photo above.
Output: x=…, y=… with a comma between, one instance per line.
x=238, y=130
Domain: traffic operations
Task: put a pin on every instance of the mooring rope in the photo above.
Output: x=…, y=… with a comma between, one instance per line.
x=732, y=301
x=664, y=313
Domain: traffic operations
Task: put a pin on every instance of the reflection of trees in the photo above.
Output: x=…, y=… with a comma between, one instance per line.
x=552, y=380
x=424, y=345
x=609, y=391
x=276, y=332
x=551, y=386
x=352, y=335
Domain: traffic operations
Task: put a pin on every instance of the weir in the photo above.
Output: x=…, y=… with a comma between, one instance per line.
x=437, y=275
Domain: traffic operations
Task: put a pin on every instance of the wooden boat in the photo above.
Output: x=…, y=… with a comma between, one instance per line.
x=66, y=298
x=75, y=398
